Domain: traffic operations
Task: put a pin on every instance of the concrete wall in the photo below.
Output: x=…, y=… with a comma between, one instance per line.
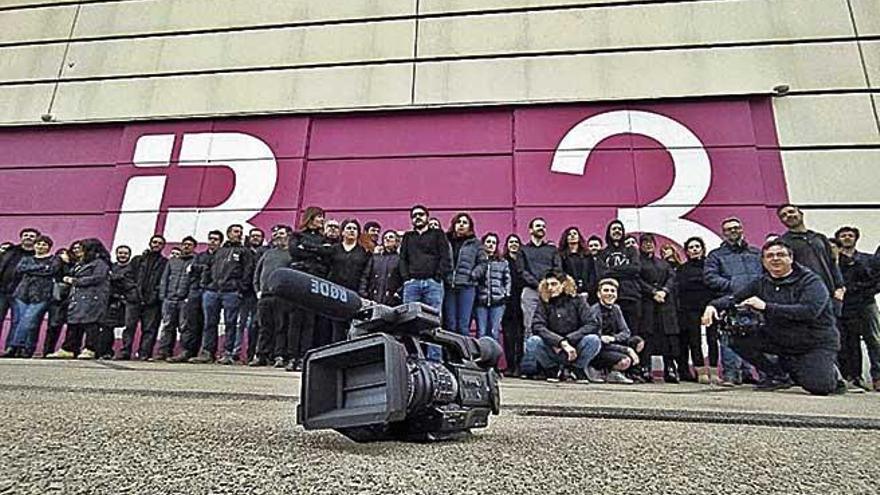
x=123, y=60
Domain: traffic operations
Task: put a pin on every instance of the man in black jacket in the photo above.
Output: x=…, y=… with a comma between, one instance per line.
x=247, y=313
x=425, y=261
x=143, y=306
x=564, y=331
x=174, y=291
x=622, y=263
x=537, y=257
x=193, y=333
x=859, y=319
x=9, y=277
x=229, y=274
x=274, y=313
x=122, y=290
x=799, y=325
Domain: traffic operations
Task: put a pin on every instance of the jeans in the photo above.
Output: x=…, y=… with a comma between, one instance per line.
x=212, y=303
x=30, y=316
x=529, y=302
x=489, y=321
x=732, y=365
x=247, y=320
x=174, y=321
x=7, y=304
x=426, y=290
x=814, y=370
x=539, y=355
x=458, y=307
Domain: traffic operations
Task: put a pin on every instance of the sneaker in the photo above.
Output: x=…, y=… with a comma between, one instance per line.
x=771, y=384
x=594, y=375
x=162, y=356
x=258, y=361
x=279, y=363
x=226, y=361
x=61, y=354
x=204, y=357
x=615, y=376
x=671, y=376
x=144, y=358
x=86, y=354
x=292, y=365
x=853, y=387
x=728, y=383
x=180, y=358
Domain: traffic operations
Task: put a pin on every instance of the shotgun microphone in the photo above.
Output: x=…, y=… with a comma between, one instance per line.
x=315, y=294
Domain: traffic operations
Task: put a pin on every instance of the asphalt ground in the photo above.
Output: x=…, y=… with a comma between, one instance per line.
x=107, y=428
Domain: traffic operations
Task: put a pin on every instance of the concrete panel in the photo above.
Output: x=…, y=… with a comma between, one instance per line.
x=832, y=176
x=252, y=92
x=674, y=24
x=440, y=6
x=829, y=220
x=24, y=4
x=871, y=51
x=867, y=14
x=265, y=48
x=168, y=16
x=843, y=119
x=52, y=23
x=24, y=104
x=26, y=63
x=724, y=71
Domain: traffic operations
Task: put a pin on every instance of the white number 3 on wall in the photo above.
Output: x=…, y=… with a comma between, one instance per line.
x=691, y=168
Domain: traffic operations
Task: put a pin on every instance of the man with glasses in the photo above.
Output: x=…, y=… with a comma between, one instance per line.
x=425, y=261
x=727, y=269
x=799, y=325
x=144, y=306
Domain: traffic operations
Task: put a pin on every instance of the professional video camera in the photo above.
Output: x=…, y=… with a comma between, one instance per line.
x=741, y=321
x=402, y=378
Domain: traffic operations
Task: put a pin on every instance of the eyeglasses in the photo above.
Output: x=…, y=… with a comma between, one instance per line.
x=419, y=214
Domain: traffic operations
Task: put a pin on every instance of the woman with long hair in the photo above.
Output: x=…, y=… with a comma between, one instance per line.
x=670, y=255
x=57, y=310
x=347, y=264
x=90, y=292
x=492, y=275
x=512, y=321
x=458, y=301
x=577, y=262
x=32, y=296
x=693, y=296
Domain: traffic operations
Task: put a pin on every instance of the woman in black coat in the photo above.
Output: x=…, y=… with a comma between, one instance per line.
x=693, y=296
x=90, y=291
x=381, y=281
x=512, y=321
x=659, y=321
x=348, y=261
x=577, y=263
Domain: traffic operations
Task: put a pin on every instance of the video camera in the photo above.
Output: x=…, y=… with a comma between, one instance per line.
x=401, y=378
x=741, y=321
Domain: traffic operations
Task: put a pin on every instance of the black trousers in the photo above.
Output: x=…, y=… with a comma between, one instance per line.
x=194, y=323
x=512, y=329
x=691, y=344
x=275, y=315
x=856, y=326
x=247, y=318
x=57, y=317
x=301, y=337
x=814, y=370
x=632, y=314
x=73, y=340
x=149, y=316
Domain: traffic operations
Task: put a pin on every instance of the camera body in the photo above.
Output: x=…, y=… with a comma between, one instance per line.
x=742, y=321
x=400, y=376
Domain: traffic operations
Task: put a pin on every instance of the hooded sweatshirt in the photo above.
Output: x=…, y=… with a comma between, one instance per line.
x=622, y=264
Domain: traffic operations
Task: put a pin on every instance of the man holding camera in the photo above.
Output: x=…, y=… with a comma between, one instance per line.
x=799, y=325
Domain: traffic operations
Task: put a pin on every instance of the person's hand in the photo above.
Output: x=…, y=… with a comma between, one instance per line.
x=660, y=296
x=607, y=339
x=710, y=315
x=755, y=302
x=839, y=293
x=67, y=280
x=633, y=356
x=571, y=351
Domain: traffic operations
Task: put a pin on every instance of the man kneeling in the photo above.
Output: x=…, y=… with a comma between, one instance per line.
x=619, y=349
x=799, y=325
x=561, y=339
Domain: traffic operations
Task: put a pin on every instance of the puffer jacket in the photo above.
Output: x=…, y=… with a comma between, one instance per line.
x=37, y=279
x=381, y=281
x=174, y=285
x=799, y=316
x=465, y=253
x=493, y=281
x=731, y=267
x=310, y=252
x=90, y=293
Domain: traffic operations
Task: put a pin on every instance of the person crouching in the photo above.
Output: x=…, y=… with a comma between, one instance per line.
x=561, y=338
x=619, y=349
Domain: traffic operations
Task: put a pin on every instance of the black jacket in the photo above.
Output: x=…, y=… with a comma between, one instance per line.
x=656, y=275
x=174, y=284
x=533, y=262
x=231, y=269
x=862, y=282
x=90, y=293
x=9, y=277
x=381, y=281
x=563, y=318
x=201, y=264
x=609, y=320
x=425, y=255
x=812, y=250
x=516, y=283
x=347, y=267
x=622, y=264
x=122, y=290
x=799, y=316
x=310, y=252
x=37, y=278
x=582, y=269
x=465, y=253
x=147, y=272
x=693, y=293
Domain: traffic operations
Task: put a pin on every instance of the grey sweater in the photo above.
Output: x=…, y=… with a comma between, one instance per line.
x=270, y=261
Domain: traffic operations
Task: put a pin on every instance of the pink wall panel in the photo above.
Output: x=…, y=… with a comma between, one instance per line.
x=56, y=146
x=55, y=190
x=609, y=179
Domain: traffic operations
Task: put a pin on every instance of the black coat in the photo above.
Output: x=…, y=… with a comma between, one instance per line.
x=862, y=282
x=692, y=292
x=9, y=277
x=37, y=278
x=656, y=274
x=564, y=317
x=201, y=264
x=120, y=288
x=425, y=255
x=90, y=293
x=347, y=267
x=582, y=269
x=381, y=281
x=310, y=252
x=799, y=316
x=147, y=272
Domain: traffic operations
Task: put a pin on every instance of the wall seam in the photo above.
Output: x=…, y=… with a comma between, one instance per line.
x=415, y=55
x=852, y=16
x=63, y=61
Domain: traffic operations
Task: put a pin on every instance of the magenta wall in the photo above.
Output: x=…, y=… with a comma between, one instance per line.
x=703, y=160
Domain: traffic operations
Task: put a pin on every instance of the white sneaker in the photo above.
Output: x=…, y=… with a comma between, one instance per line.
x=617, y=377
x=86, y=354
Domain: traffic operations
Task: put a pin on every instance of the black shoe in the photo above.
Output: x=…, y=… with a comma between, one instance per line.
x=180, y=358
x=770, y=384
x=279, y=363
x=122, y=356
x=10, y=352
x=258, y=361
x=671, y=376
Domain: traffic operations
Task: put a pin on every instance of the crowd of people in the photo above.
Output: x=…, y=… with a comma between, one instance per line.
x=618, y=309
